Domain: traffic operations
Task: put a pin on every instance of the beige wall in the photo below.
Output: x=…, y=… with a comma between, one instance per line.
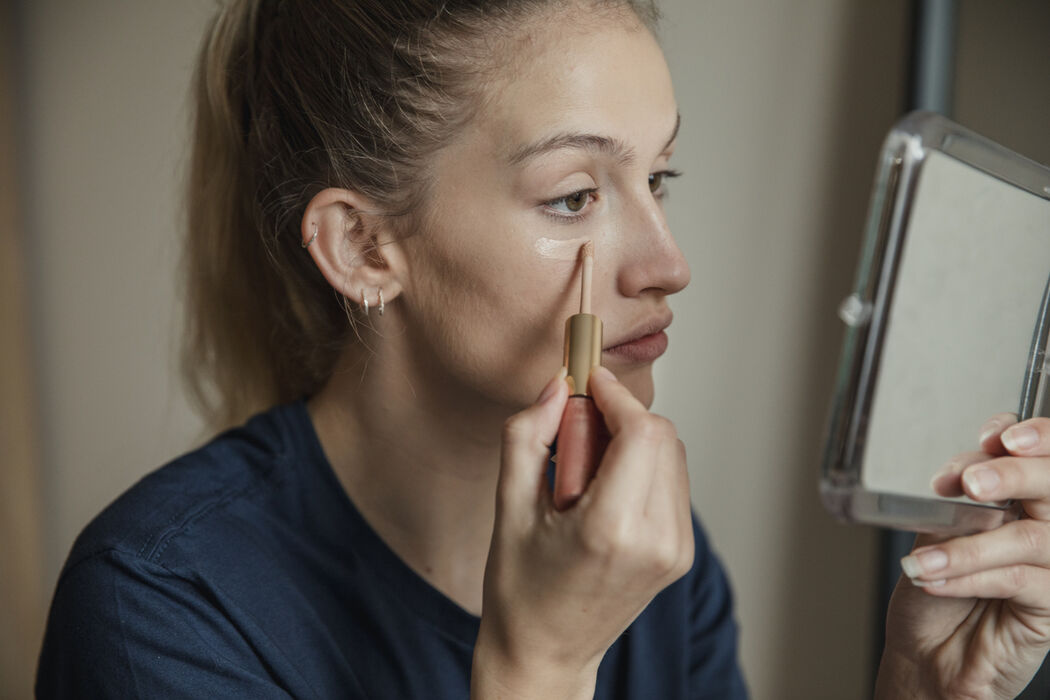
x=104, y=116
x=783, y=104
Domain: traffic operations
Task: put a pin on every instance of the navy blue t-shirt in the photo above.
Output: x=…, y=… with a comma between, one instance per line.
x=242, y=570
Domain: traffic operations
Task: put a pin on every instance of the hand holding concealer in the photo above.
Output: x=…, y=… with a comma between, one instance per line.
x=582, y=435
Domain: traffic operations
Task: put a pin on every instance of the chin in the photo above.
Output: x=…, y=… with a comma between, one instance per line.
x=640, y=381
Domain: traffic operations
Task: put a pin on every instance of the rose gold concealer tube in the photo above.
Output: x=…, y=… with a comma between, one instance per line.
x=582, y=435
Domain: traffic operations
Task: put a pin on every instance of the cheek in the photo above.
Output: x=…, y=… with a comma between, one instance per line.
x=492, y=322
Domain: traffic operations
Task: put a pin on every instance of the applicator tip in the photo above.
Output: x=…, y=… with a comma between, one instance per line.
x=588, y=249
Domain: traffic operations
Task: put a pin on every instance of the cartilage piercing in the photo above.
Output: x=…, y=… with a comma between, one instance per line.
x=306, y=244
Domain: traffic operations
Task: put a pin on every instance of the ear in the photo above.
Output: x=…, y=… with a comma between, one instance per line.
x=354, y=246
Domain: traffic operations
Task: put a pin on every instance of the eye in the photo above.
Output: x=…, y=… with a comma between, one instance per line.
x=570, y=206
x=656, y=181
x=577, y=201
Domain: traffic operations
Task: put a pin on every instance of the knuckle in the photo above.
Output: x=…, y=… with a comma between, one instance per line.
x=1041, y=424
x=604, y=537
x=687, y=560
x=965, y=552
x=516, y=429
x=635, y=424
x=1016, y=578
x=1010, y=474
x=653, y=429
x=1034, y=539
x=666, y=556
x=667, y=428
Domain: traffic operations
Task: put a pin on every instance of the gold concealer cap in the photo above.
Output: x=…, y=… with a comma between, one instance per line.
x=583, y=350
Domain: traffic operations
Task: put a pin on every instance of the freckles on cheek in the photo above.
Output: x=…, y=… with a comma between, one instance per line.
x=534, y=315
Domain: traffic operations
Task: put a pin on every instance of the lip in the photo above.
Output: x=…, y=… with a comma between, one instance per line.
x=645, y=343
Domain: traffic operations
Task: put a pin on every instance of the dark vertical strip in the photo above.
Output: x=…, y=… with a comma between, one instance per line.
x=931, y=81
x=21, y=552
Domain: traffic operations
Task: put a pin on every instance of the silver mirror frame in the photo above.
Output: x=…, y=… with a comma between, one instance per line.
x=865, y=313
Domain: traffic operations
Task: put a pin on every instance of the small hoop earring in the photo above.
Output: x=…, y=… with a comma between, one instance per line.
x=365, y=300
x=381, y=304
x=306, y=244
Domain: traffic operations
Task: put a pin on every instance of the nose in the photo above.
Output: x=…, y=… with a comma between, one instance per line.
x=653, y=262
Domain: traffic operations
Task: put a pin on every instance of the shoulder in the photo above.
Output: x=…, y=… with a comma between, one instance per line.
x=140, y=610
x=241, y=464
x=714, y=669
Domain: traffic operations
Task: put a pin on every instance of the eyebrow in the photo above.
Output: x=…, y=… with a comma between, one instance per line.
x=587, y=142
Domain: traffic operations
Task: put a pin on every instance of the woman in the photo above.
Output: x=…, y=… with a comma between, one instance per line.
x=387, y=202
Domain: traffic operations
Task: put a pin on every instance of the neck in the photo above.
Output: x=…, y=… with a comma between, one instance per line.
x=411, y=451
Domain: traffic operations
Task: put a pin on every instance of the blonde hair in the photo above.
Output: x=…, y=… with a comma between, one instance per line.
x=292, y=97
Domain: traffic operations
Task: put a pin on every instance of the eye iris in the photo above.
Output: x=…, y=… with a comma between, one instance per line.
x=576, y=202
x=655, y=180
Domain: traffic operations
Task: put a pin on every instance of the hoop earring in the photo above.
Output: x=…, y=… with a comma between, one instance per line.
x=307, y=244
x=381, y=304
x=365, y=300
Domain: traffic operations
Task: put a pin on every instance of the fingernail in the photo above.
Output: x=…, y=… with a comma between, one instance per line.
x=981, y=482
x=988, y=431
x=949, y=469
x=552, y=386
x=603, y=372
x=921, y=563
x=1020, y=437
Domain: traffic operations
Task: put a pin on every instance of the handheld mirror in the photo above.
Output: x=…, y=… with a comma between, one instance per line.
x=947, y=324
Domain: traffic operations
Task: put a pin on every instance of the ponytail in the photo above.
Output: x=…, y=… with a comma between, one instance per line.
x=236, y=355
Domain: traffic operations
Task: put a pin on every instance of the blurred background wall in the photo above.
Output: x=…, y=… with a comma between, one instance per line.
x=784, y=105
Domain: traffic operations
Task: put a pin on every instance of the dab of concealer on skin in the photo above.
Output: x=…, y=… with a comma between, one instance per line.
x=556, y=249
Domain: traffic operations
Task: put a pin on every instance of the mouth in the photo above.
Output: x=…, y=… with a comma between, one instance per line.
x=643, y=344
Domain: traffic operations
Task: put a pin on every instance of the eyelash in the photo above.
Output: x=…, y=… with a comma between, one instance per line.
x=660, y=193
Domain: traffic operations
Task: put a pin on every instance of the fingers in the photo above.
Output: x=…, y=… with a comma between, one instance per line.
x=1030, y=438
x=1011, y=478
x=991, y=430
x=1013, y=560
x=615, y=401
x=948, y=481
x=638, y=446
x=1022, y=542
x=1009, y=562
x=527, y=437
x=669, y=500
x=1021, y=583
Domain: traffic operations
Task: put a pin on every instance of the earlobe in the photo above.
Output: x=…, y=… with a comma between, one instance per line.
x=350, y=241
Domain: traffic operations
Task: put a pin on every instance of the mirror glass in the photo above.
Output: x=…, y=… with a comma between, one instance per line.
x=970, y=283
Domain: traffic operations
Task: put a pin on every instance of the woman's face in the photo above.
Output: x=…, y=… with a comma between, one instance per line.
x=574, y=146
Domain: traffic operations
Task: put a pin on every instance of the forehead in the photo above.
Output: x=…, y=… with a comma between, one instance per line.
x=608, y=78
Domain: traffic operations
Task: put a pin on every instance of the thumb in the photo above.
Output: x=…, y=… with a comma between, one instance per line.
x=525, y=450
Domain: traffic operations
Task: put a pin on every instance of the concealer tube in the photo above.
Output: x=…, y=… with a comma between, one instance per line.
x=581, y=435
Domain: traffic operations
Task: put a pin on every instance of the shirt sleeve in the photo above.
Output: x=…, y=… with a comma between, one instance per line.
x=123, y=627
x=714, y=671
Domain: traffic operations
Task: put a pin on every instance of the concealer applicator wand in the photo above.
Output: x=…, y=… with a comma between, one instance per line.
x=582, y=435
